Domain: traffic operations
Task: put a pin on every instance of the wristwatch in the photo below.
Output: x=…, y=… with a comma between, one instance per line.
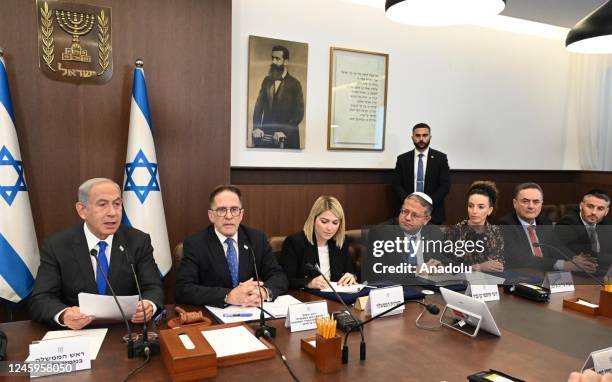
x=226, y=299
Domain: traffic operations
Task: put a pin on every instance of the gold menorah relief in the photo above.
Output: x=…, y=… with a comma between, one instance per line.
x=76, y=24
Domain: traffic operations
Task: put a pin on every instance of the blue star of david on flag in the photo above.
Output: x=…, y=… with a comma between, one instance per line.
x=8, y=193
x=130, y=185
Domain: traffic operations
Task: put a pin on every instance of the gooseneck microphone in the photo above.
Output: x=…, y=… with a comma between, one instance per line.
x=263, y=330
x=431, y=308
x=345, y=350
x=130, y=342
x=566, y=257
x=146, y=348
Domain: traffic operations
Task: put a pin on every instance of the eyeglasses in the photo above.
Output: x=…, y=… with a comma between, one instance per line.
x=414, y=215
x=222, y=211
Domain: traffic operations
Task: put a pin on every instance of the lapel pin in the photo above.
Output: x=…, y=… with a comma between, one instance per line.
x=121, y=248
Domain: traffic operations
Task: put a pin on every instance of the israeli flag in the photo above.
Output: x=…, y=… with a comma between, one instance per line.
x=19, y=257
x=143, y=207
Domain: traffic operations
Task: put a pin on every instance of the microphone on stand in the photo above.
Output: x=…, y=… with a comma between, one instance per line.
x=130, y=342
x=146, y=348
x=263, y=330
x=345, y=350
x=567, y=258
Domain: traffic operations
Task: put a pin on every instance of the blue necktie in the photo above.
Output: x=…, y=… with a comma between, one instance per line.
x=102, y=266
x=410, y=253
x=232, y=261
x=420, y=183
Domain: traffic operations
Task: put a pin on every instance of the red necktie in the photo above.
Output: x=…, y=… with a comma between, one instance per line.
x=533, y=238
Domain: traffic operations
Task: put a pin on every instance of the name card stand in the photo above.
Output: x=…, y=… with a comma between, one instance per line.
x=304, y=316
x=486, y=292
x=559, y=282
x=600, y=361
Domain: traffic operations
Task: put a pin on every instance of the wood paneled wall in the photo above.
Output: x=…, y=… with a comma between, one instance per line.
x=69, y=133
x=278, y=201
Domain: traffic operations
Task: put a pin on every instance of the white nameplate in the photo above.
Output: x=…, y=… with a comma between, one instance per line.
x=304, y=316
x=488, y=292
x=559, y=282
x=59, y=356
x=382, y=299
x=600, y=361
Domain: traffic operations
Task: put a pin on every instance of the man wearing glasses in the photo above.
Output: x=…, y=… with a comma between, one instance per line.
x=525, y=230
x=396, y=253
x=217, y=268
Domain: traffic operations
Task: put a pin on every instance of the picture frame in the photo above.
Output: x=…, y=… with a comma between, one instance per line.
x=276, y=102
x=357, y=102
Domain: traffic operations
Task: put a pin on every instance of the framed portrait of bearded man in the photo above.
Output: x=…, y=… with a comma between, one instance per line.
x=276, y=111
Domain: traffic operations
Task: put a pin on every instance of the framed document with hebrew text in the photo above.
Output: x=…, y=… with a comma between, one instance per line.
x=357, y=100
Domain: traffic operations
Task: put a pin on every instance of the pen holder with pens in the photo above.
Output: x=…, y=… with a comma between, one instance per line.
x=605, y=302
x=328, y=354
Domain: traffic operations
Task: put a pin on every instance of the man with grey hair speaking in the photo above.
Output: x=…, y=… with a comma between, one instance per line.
x=68, y=268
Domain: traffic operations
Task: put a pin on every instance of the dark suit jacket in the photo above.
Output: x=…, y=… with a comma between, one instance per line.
x=572, y=232
x=204, y=277
x=66, y=270
x=430, y=233
x=282, y=110
x=437, y=180
x=297, y=252
x=517, y=248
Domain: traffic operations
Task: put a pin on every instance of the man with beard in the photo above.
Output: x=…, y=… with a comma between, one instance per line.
x=280, y=106
x=587, y=231
x=423, y=170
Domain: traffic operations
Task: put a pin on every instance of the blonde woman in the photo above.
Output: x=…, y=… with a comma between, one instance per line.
x=321, y=242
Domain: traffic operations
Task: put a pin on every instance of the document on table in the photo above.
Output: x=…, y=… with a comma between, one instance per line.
x=234, y=313
x=95, y=335
x=231, y=341
x=104, y=307
x=355, y=288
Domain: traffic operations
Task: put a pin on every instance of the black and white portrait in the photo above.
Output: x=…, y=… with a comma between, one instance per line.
x=277, y=93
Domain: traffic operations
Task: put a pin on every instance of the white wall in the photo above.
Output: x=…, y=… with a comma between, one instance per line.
x=494, y=99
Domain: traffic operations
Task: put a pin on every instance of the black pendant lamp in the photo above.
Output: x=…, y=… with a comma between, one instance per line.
x=592, y=34
x=441, y=12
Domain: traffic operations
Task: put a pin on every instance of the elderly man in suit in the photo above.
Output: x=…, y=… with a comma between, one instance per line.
x=68, y=265
x=423, y=170
x=530, y=241
x=279, y=108
x=218, y=265
x=587, y=231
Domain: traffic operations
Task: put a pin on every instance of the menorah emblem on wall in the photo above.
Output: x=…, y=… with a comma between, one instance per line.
x=76, y=24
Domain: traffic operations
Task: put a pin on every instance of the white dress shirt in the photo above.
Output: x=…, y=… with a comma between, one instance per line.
x=416, y=165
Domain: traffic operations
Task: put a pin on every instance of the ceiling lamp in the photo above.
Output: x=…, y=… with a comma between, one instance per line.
x=592, y=34
x=441, y=12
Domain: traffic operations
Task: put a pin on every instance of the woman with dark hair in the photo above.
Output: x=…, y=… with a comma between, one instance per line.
x=489, y=256
x=321, y=242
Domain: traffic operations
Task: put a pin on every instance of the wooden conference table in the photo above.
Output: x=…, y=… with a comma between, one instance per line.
x=539, y=342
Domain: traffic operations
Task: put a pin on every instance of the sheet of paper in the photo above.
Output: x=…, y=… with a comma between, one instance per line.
x=586, y=303
x=355, y=288
x=231, y=341
x=233, y=313
x=95, y=335
x=279, y=307
x=104, y=307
